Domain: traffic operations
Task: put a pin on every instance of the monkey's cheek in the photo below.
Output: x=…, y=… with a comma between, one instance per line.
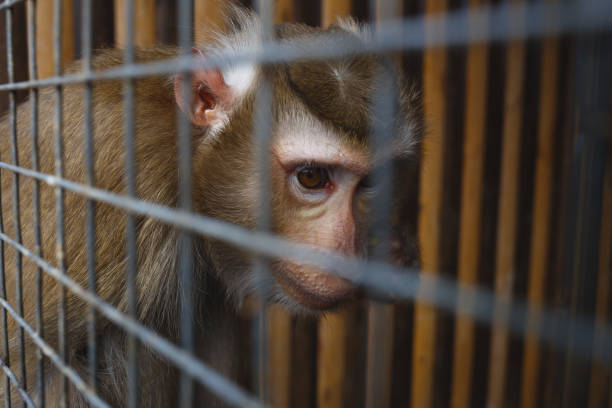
x=313, y=288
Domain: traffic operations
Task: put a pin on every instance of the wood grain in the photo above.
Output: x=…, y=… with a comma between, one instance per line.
x=430, y=201
x=541, y=223
x=144, y=23
x=44, y=36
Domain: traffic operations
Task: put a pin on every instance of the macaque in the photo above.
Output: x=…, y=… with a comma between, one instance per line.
x=319, y=158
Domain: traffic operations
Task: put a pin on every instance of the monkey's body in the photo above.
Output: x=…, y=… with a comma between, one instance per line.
x=220, y=189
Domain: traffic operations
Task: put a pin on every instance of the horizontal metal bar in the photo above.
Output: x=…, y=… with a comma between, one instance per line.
x=384, y=279
x=24, y=395
x=218, y=384
x=9, y=3
x=53, y=356
x=502, y=22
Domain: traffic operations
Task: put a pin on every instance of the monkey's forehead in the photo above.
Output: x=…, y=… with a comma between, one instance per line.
x=338, y=90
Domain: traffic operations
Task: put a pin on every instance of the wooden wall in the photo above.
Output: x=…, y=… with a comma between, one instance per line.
x=492, y=204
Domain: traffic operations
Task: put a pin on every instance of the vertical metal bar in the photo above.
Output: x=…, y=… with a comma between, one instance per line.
x=430, y=202
x=59, y=194
x=16, y=207
x=332, y=331
x=381, y=314
x=130, y=173
x=32, y=70
x=86, y=40
x=262, y=128
x=185, y=19
x=5, y=340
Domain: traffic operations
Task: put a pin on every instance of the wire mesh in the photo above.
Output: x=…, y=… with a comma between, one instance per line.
x=380, y=279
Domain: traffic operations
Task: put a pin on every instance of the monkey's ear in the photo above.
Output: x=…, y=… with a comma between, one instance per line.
x=211, y=97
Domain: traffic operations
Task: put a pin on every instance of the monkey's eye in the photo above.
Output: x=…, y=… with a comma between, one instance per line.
x=313, y=178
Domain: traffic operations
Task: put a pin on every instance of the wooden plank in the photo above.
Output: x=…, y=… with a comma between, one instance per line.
x=600, y=371
x=430, y=201
x=144, y=23
x=470, y=216
x=284, y=11
x=541, y=214
x=505, y=262
x=331, y=359
x=332, y=9
x=279, y=356
x=44, y=36
x=208, y=15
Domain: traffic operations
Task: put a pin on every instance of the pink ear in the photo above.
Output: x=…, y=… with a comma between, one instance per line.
x=211, y=97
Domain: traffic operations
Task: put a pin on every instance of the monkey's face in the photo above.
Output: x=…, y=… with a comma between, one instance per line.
x=320, y=199
x=319, y=162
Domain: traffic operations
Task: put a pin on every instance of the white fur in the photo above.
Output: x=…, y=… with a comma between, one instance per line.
x=305, y=138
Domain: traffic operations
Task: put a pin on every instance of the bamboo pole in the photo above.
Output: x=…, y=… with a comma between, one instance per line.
x=144, y=23
x=208, y=15
x=600, y=372
x=470, y=217
x=279, y=356
x=284, y=11
x=541, y=214
x=44, y=36
x=430, y=201
x=505, y=262
x=331, y=359
x=331, y=9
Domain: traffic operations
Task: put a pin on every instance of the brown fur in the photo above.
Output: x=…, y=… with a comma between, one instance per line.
x=223, y=188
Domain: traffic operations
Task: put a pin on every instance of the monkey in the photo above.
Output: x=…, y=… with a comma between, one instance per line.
x=320, y=156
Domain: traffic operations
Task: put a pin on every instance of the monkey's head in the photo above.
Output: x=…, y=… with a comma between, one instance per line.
x=320, y=156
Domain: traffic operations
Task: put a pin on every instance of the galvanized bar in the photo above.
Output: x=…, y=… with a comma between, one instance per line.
x=125, y=23
x=384, y=128
x=48, y=351
x=15, y=381
x=86, y=53
x=574, y=17
x=9, y=3
x=133, y=398
x=218, y=384
x=33, y=74
x=262, y=128
x=16, y=207
x=184, y=21
x=399, y=283
x=4, y=322
x=59, y=194
x=380, y=314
